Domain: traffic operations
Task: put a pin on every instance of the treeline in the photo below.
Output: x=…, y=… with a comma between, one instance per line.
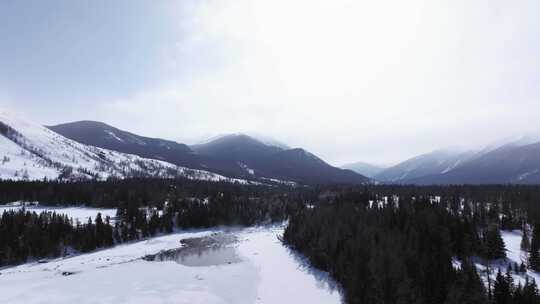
x=25, y=234
x=114, y=192
x=224, y=209
x=524, y=198
x=404, y=248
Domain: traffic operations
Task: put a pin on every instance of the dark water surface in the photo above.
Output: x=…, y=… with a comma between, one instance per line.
x=216, y=249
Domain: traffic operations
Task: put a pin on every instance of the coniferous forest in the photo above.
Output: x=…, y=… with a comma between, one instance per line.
x=411, y=247
x=383, y=244
x=145, y=208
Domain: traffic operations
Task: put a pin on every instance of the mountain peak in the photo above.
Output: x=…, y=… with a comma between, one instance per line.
x=268, y=141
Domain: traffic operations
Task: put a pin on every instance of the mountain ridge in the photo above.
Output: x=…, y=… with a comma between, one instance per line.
x=233, y=155
x=508, y=162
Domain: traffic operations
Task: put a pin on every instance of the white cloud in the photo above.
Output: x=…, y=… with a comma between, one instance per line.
x=350, y=80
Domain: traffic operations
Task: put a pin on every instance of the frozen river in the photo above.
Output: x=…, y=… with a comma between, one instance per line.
x=256, y=269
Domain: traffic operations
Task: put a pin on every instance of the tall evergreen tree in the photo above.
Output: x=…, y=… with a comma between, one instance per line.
x=494, y=244
x=534, y=251
x=501, y=290
x=525, y=242
x=530, y=292
x=468, y=287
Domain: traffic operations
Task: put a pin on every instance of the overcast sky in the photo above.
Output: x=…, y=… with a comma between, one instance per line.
x=350, y=80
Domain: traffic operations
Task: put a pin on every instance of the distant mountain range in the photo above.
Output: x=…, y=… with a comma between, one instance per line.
x=365, y=169
x=514, y=161
x=234, y=155
x=87, y=149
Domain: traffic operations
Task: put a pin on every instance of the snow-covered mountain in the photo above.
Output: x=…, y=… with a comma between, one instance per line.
x=515, y=161
x=98, y=134
x=234, y=155
x=436, y=162
x=509, y=164
x=270, y=161
x=29, y=151
x=266, y=140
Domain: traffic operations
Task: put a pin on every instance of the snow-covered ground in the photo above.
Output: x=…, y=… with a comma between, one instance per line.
x=268, y=273
x=80, y=214
x=512, y=241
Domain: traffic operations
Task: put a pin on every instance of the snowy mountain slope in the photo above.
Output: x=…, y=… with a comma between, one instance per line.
x=271, y=162
x=104, y=136
x=436, y=162
x=16, y=163
x=511, y=161
x=29, y=151
x=509, y=164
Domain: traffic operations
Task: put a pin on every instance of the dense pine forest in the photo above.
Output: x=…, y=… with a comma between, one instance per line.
x=383, y=244
x=112, y=193
x=25, y=235
x=411, y=247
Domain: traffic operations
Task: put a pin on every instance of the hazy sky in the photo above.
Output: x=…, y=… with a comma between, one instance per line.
x=349, y=80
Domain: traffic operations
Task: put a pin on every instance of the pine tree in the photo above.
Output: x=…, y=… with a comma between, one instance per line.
x=501, y=290
x=100, y=231
x=530, y=293
x=509, y=280
x=517, y=296
x=467, y=288
x=534, y=251
x=116, y=233
x=494, y=244
x=525, y=242
x=522, y=268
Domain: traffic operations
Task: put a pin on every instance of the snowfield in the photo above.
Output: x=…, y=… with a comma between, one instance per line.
x=268, y=273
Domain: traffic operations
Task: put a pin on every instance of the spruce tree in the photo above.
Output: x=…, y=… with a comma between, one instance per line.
x=494, y=244
x=525, y=242
x=501, y=290
x=467, y=288
x=530, y=293
x=534, y=251
x=522, y=268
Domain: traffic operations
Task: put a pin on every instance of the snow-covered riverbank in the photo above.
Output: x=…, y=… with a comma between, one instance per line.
x=268, y=273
